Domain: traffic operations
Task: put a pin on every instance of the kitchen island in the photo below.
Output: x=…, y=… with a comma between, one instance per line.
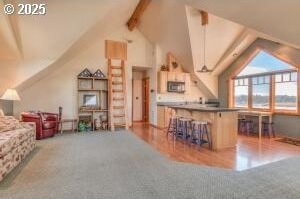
x=222, y=123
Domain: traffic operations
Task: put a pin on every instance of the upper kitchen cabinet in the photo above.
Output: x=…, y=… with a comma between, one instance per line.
x=164, y=77
x=162, y=81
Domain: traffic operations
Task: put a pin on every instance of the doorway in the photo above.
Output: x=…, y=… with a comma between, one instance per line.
x=140, y=96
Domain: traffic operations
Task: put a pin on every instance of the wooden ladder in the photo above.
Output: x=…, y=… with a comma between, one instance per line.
x=117, y=96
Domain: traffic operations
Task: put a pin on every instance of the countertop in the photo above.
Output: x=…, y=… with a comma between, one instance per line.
x=195, y=107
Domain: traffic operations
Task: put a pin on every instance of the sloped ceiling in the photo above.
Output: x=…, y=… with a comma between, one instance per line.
x=177, y=28
x=48, y=38
x=278, y=19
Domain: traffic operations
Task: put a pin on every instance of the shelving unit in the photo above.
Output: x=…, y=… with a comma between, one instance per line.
x=93, y=101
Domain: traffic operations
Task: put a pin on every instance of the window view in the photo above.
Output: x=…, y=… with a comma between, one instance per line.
x=286, y=91
x=256, y=80
x=241, y=92
x=261, y=92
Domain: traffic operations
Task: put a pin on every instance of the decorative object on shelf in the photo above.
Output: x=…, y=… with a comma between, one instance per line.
x=164, y=68
x=82, y=126
x=98, y=74
x=174, y=64
x=204, y=18
x=85, y=73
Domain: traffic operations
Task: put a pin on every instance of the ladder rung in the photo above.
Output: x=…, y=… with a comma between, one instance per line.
x=118, y=107
x=116, y=75
x=116, y=67
x=117, y=83
x=118, y=98
x=117, y=91
x=120, y=115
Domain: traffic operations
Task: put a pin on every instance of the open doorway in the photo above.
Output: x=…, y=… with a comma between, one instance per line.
x=140, y=95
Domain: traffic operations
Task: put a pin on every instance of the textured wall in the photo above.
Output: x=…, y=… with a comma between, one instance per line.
x=285, y=125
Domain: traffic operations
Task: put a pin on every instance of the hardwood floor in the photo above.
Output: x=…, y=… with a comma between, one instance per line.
x=249, y=153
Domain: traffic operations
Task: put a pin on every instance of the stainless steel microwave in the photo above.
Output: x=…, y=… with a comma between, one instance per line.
x=177, y=87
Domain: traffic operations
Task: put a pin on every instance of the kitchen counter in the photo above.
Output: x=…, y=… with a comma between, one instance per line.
x=203, y=108
x=222, y=123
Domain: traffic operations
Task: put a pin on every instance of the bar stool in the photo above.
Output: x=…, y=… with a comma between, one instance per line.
x=268, y=128
x=241, y=125
x=199, y=130
x=183, y=126
x=172, y=127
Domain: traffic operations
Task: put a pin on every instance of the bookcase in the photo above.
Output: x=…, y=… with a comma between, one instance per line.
x=93, y=102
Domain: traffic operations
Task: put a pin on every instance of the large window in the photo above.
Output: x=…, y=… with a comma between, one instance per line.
x=241, y=92
x=261, y=92
x=267, y=83
x=286, y=91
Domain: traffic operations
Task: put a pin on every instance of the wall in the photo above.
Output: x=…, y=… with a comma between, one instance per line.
x=59, y=87
x=285, y=125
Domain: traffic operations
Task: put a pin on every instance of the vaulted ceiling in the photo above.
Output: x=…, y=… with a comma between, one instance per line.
x=32, y=45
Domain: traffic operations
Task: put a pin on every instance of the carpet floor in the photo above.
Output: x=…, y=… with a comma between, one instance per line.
x=119, y=165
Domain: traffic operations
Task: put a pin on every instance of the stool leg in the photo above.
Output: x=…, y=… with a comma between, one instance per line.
x=273, y=131
x=207, y=136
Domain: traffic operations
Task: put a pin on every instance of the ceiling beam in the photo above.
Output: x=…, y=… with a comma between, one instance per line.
x=204, y=17
x=136, y=16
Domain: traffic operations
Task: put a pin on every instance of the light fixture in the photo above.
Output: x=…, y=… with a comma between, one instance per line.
x=11, y=95
x=204, y=18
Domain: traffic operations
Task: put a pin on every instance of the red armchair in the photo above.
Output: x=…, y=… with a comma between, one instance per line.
x=46, y=123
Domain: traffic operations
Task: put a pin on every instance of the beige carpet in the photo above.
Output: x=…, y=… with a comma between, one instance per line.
x=119, y=165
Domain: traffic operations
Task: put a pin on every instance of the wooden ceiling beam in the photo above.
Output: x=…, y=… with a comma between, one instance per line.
x=204, y=17
x=135, y=17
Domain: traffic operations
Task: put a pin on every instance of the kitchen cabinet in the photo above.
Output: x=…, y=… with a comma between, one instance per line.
x=163, y=116
x=164, y=77
x=162, y=81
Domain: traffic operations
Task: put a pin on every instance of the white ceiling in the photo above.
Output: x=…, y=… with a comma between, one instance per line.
x=29, y=44
x=278, y=19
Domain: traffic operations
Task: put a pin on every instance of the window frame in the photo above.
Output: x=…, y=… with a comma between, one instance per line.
x=233, y=77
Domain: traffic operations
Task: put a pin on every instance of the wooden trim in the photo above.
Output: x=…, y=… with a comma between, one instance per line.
x=250, y=91
x=204, y=17
x=272, y=93
x=296, y=65
x=244, y=64
x=136, y=16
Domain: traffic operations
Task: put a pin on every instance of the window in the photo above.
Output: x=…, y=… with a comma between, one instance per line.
x=286, y=91
x=241, y=92
x=261, y=92
x=267, y=83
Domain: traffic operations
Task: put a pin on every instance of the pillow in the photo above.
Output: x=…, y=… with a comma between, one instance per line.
x=9, y=123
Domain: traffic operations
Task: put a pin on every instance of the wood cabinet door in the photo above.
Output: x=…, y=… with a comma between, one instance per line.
x=160, y=116
x=162, y=81
x=172, y=76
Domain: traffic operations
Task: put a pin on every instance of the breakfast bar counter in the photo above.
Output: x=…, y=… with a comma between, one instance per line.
x=222, y=123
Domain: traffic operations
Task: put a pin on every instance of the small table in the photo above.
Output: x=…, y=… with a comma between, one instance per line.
x=260, y=115
x=73, y=121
